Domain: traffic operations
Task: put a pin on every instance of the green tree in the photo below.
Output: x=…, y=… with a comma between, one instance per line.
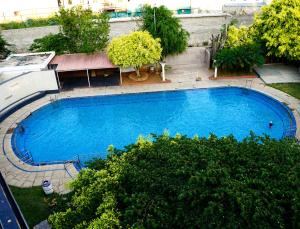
x=277, y=26
x=179, y=182
x=81, y=30
x=134, y=50
x=87, y=32
x=4, y=51
x=160, y=23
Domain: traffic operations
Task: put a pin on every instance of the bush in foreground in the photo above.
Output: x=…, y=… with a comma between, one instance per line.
x=178, y=182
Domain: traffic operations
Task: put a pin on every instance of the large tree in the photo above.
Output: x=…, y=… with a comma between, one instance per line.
x=178, y=182
x=81, y=30
x=134, y=50
x=160, y=23
x=277, y=26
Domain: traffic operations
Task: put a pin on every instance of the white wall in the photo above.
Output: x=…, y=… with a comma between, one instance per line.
x=25, y=85
x=27, y=9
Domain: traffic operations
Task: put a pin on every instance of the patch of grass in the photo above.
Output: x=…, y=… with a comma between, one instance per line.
x=33, y=204
x=29, y=23
x=292, y=89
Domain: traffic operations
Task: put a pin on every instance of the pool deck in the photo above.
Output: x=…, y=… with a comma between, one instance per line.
x=18, y=173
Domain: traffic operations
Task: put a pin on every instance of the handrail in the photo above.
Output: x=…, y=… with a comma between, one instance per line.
x=21, y=154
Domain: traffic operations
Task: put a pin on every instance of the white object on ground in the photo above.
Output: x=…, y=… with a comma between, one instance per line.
x=47, y=187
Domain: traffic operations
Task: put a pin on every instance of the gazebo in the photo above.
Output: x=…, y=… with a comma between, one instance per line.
x=80, y=69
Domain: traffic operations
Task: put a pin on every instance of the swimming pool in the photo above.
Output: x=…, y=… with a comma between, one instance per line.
x=87, y=126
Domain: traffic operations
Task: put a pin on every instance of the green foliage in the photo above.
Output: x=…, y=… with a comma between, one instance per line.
x=178, y=182
x=81, y=31
x=292, y=89
x=3, y=48
x=36, y=22
x=238, y=36
x=277, y=26
x=52, y=42
x=134, y=50
x=160, y=23
x=87, y=32
x=96, y=163
x=242, y=57
x=4, y=51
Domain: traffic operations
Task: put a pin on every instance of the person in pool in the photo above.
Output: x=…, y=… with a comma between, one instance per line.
x=21, y=129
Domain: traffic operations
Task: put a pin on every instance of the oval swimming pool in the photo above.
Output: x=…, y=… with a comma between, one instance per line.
x=87, y=126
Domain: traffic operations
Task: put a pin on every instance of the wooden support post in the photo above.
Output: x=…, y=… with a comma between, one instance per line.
x=57, y=78
x=120, y=77
x=88, y=77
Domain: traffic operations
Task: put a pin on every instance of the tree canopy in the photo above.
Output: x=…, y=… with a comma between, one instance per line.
x=179, y=182
x=81, y=30
x=134, y=50
x=160, y=23
x=277, y=26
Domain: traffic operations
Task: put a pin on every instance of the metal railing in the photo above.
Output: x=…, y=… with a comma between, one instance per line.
x=24, y=156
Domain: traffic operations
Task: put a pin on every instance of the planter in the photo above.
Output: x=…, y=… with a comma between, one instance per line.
x=47, y=187
x=144, y=76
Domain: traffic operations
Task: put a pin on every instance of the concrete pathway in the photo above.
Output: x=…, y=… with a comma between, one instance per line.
x=278, y=73
x=20, y=174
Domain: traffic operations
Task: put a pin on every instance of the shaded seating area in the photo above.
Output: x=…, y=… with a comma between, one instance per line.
x=85, y=70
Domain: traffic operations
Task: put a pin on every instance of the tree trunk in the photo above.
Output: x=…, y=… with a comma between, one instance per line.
x=138, y=74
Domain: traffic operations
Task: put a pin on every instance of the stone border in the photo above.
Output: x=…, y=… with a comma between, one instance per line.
x=20, y=174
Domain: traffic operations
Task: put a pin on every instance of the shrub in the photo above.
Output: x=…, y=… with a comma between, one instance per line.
x=4, y=51
x=52, y=42
x=31, y=22
x=242, y=57
x=178, y=182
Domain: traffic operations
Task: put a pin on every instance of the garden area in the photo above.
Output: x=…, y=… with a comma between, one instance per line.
x=272, y=37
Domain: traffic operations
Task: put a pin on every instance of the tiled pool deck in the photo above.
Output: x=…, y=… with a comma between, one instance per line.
x=20, y=174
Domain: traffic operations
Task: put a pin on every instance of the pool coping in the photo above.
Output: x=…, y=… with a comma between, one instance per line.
x=21, y=174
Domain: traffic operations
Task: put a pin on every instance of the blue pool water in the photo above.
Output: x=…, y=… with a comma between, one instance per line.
x=87, y=126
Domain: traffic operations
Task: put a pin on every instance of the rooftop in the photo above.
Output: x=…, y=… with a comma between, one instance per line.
x=17, y=64
x=81, y=61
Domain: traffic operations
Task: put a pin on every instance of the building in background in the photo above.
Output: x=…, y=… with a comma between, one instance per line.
x=22, y=10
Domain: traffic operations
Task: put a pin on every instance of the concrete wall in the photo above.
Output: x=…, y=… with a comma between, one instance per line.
x=199, y=27
x=25, y=85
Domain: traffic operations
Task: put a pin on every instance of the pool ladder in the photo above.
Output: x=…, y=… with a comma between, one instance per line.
x=27, y=157
x=54, y=100
x=248, y=84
